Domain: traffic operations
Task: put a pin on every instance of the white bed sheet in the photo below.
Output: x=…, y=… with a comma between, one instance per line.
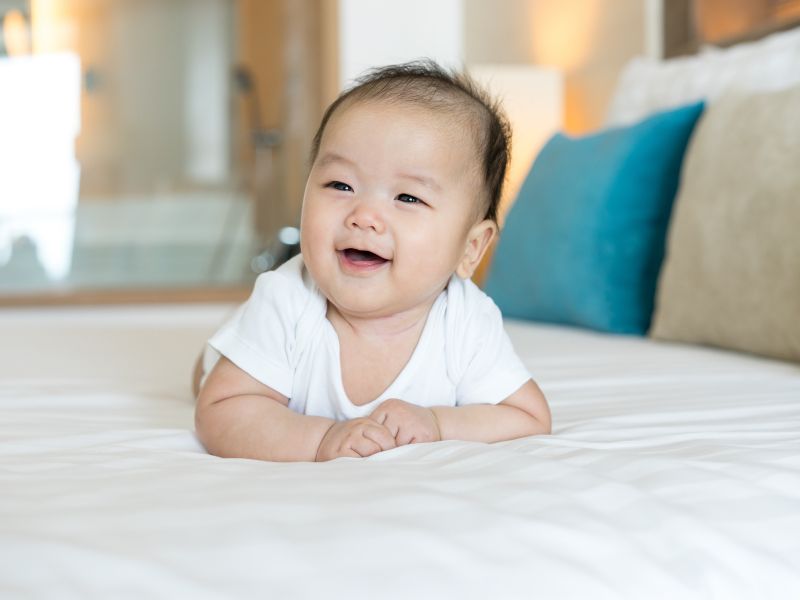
x=672, y=472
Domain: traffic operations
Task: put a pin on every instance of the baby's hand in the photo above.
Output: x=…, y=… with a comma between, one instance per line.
x=356, y=437
x=407, y=422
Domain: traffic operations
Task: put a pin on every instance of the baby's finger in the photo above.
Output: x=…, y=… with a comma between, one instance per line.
x=349, y=452
x=405, y=436
x=387, y=420
x=381, y=436
x=364, y=446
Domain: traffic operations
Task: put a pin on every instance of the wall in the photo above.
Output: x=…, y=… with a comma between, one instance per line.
x=589, y=40
x=383, y=32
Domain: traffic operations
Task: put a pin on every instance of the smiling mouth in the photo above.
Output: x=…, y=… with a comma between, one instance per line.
x=361, y=259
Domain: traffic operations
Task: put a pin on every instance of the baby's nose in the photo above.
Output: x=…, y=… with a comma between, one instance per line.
x=366, y=215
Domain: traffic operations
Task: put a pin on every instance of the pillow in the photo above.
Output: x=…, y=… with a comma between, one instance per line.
x=583, y=243
x=646, y=85
x=732, y=273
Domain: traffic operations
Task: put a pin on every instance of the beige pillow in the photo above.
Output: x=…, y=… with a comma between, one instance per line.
x=731, y=277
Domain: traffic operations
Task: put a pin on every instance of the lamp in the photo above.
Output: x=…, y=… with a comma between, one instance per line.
x=532, y=98
x=16, y=33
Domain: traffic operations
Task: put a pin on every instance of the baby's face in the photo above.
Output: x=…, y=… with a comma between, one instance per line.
x=388, y=206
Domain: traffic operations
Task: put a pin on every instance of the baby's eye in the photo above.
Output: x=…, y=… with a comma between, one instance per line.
x=338, y=185
x=409, y=199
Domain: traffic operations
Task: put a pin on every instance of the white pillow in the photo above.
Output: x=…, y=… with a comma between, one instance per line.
x=648, y=85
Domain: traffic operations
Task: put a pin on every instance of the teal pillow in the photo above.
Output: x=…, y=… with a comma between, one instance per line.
x=584, y=241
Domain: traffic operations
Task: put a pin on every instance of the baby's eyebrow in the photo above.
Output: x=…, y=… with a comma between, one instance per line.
x=331, y=157
x=423, y=179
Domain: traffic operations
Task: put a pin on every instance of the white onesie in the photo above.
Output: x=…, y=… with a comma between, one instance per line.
x=282, y=338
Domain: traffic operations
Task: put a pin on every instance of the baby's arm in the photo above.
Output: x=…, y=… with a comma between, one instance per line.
x=523, y=413
x=238, y=416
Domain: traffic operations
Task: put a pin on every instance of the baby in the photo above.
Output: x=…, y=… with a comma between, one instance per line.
x=374, y=336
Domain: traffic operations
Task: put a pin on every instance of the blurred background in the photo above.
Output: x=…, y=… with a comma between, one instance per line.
x=157, y=149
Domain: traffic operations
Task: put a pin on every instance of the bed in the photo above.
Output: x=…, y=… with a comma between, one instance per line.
x=673, y=471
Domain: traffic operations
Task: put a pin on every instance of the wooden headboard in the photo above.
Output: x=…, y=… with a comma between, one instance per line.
x=689, y=24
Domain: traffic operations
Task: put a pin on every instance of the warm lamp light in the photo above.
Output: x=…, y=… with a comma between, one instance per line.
x=562, y=34
x=533, y=99
x=53, y=26
x=15, y=33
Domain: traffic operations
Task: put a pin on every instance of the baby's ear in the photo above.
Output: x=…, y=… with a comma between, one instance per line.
x=478, y=240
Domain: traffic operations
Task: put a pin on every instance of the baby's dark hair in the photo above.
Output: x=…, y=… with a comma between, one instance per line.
x=426, y=84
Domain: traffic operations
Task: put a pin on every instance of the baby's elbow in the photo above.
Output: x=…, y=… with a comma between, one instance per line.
x=539, y=409
x=530, y=400
x=207, y=426
x=544, y=418
x=546, y=425
x=203, y=426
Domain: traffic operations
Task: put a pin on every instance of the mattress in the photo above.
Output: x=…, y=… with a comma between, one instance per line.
x=672, y=472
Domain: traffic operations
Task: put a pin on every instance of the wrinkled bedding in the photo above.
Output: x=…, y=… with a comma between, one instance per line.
x=672, y=472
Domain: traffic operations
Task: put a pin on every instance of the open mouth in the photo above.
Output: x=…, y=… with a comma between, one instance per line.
x=362, y=258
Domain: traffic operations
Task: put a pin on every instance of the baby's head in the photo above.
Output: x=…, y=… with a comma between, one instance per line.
x=458, y=99
x=407, y=169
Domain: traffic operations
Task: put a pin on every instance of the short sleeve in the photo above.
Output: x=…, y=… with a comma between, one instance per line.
x=490, y=369
x=261, y=335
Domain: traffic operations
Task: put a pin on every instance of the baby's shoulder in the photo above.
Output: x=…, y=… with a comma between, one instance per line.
x=288, y=290
x=466, y=301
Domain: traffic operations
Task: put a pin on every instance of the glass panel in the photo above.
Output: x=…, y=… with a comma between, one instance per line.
x=133, y=152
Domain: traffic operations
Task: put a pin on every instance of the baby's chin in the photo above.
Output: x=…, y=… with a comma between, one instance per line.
x=360, y=307
x=379, y=307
